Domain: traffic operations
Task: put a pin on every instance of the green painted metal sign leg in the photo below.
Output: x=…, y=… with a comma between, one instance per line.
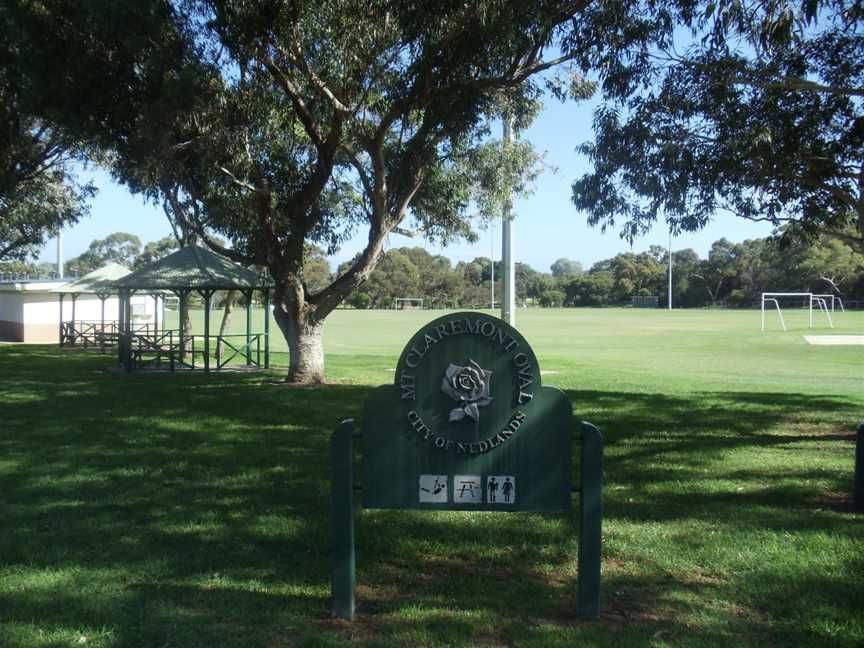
x=342, y=521
x=858, y=487
x=591, y=517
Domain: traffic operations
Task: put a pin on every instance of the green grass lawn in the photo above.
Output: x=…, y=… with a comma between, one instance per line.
x=190, y=510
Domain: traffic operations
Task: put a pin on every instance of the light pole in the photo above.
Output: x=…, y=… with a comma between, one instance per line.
x=670, y=269
x=508, y=299
x=59, y=254
x=492, y=265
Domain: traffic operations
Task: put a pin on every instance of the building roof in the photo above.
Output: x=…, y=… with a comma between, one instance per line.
x=192, y=268
x=98, y=282
x=31, y=285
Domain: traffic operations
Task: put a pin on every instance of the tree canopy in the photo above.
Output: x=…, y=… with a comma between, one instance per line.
x=758, y=114
x=118, y=247
x=39, y=192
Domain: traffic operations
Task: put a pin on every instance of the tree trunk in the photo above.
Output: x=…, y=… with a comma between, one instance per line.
x=226, y=319
x=305, y=337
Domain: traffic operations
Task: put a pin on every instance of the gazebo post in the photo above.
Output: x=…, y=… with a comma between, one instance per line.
x=248, y=296
x=266, y=328
x=62, y=295
x=121, y=333
x=128, y=335
x=102, y=299
x=155, y=316
x=206, y=294
x=74, y=299
x=120, y=294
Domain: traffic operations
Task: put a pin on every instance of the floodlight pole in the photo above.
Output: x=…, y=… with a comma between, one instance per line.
x=670, y=270
x=492, y=265
x=508, y=299
x=59, y=254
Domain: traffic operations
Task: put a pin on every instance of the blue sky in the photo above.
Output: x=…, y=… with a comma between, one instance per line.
x=547, y=226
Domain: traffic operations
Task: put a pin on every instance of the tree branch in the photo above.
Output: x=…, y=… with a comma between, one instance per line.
x=313, y=129
x=409, y=233
x=215, y=247
x=331, y=296
x=797, y=84
x=240, y=183
x=361, y=170
x=296, y=57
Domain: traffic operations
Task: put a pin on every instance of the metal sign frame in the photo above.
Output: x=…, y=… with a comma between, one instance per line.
x=467, y=425
x=343, y=556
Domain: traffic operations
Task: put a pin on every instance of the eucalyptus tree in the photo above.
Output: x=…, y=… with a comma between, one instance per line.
x=327, y=117
x=344, y=115
x=120, y=247
x=757, y=113
x=566, y=268
x=155, y=250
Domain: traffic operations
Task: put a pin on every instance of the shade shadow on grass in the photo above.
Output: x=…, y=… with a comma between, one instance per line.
x=192, y=510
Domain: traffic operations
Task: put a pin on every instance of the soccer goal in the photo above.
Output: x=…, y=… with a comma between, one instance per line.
x=798, y=300
x=403, y=303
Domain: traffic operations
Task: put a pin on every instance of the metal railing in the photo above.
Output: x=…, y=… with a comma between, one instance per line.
x=244, y=350
x=96, y=333
x=147, y=349
x=190, y=351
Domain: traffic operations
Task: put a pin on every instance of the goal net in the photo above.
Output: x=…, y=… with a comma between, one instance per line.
x=406, y=303
x=793, y=307
x=644, y=301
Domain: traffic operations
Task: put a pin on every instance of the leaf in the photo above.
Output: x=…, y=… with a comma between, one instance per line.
x=457, y=414
x=472, y=411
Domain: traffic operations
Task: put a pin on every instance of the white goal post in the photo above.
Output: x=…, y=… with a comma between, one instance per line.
x=820, y=301
x=833, y=299
x=399, y=302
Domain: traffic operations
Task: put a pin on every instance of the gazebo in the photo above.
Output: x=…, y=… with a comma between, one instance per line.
x=192, y=269
x=100, y=332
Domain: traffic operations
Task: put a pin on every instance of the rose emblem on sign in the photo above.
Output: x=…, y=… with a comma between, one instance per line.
x=469, y=386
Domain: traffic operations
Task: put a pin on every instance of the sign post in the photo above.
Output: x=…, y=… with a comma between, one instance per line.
x=467, y=426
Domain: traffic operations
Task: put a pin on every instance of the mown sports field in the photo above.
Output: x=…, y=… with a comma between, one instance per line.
x=191, y=510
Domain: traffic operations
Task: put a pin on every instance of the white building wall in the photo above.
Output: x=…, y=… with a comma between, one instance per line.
x=88, y=308
x=144, y=307
x=34, y=315
x=45, y=308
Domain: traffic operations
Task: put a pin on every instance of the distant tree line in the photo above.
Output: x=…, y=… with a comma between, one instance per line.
x=733, y=274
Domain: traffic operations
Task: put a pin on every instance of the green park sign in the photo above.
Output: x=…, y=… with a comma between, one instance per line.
x=467, y=426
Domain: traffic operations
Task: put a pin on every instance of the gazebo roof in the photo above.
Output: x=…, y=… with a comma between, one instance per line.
x=98, y=282
x=192, y=268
